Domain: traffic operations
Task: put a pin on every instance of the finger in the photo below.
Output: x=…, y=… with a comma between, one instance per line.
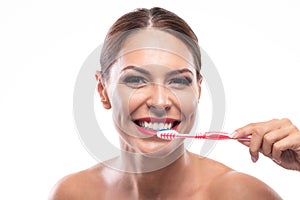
x=261, y=127
x=258, y=130
x=246, y=143
x=291, y=142
x=268, y=140
x=255, y=145
x=271, y=137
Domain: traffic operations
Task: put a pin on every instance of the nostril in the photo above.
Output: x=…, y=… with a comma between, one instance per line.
x=160, y=97
x=159, y=107
x=165, y=106
x=159, y=111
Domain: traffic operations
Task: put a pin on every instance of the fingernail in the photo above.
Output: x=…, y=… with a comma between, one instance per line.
x=254, y=159
x=277, y=161
x=233, y=134
x=247, y=143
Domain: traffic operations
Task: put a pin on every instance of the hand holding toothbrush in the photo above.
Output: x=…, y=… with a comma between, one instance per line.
x=277, y=139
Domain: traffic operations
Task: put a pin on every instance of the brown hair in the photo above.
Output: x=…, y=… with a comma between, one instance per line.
x=144, y=18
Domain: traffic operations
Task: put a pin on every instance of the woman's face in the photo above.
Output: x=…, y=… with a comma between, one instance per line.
x=152, y=86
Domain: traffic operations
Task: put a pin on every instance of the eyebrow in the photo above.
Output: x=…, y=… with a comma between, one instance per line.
x=180, y=71
x=143, y=71
x=172, y=73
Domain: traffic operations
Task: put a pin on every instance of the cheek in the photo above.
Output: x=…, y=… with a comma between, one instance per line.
x=187, y=101
x=125, y=101
x=188, y=107
x=119, y=100
x=137, y=99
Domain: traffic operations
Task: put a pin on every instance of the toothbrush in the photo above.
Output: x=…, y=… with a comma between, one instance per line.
x=169, y=134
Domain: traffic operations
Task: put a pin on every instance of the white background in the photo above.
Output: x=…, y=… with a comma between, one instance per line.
x=255, y=46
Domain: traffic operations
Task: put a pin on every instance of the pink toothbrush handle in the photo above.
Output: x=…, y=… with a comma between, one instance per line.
x=221, y=136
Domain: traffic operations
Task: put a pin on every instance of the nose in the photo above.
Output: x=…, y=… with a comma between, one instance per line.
x=159, y=102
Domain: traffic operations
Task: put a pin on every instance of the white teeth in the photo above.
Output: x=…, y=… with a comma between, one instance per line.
x=160, y=126
x=142, y=123
x=155, y=126
x=166, y=126
x=150, y=125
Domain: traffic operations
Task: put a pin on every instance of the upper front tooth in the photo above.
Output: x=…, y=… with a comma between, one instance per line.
x=155, y=126
x=160, y=126
x=150, y=125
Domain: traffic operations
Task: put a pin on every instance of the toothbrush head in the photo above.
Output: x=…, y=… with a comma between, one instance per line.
x=166, y=134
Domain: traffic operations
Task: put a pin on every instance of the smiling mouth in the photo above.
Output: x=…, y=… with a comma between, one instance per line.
x=156, y=125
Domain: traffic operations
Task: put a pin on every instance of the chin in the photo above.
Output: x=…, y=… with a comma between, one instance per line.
x=156, y=147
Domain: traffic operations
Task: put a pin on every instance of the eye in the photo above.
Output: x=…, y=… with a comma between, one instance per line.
x=180, y=81
x=134, y=81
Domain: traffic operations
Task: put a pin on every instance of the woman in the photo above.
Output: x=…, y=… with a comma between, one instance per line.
x=150, y=78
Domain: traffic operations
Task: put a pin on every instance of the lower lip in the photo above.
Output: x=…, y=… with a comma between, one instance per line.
x=149, y=131
x=146, y=131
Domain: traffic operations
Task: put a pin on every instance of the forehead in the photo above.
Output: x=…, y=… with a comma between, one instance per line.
x=155, y=58
x=153, y=46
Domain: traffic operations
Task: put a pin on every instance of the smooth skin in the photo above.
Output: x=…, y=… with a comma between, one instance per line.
x=151, y=88
x=191, y=177
x=278, y=139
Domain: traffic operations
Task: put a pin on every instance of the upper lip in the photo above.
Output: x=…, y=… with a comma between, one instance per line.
x=158, y=120
x=156, y=123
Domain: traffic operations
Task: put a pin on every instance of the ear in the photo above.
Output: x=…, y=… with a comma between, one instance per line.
x=199, y=87
x=102, y=91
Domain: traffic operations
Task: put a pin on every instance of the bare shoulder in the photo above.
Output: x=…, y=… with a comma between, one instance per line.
x=236, y=185
x=80, y=185
x=209, y=166
x=225, y=183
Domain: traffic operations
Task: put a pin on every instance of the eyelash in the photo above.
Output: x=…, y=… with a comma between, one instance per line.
x=139, y=81
x=134, y=80
x=186, y=81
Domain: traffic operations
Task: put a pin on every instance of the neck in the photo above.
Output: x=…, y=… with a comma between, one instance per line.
x=144, y=163
x=164, y=180
x=156, y=177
